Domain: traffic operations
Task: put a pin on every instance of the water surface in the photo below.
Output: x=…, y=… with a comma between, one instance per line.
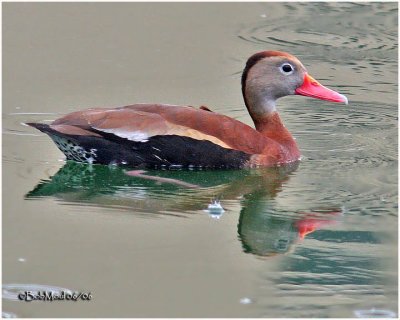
x=318, y=239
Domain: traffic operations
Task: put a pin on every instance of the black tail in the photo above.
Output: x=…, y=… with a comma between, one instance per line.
x=45, y=128
x=41, y=126
x=77, y=148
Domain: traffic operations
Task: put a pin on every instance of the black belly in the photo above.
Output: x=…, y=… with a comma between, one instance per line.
x=168, y=151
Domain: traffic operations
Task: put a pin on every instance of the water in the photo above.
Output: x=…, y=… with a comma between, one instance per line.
x=316, y=240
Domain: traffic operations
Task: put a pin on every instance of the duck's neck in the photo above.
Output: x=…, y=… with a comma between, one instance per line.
x=271, y=126
x=260, y=103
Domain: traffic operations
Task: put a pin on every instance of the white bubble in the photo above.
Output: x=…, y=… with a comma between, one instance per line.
x=215, y=209
x=245, y=300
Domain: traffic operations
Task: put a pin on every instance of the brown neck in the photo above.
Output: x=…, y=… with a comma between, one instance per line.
x=271, y=126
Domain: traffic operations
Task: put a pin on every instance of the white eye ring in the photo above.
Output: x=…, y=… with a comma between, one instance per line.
x=286, y=68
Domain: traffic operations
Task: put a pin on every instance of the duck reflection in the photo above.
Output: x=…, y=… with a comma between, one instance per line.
x=262, y=229
x=265, y=233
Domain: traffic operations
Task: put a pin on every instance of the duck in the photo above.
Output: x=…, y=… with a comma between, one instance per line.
x=169, y=136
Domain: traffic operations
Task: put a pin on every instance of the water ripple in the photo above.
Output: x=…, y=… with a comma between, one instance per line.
x=312, y=290
x=372, y=42
x=5, y=314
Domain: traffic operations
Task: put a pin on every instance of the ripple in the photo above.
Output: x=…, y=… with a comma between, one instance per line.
x=5, y=314
x=313, y=290
x=360, y=137
x=16, y=122
x=20, y=133
x=373, y=39
x=375, y=313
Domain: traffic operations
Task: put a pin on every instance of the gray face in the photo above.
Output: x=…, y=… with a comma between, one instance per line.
x=276, y=77
x=270, y=79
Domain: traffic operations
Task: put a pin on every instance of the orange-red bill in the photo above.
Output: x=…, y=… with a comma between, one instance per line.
x=312, y=88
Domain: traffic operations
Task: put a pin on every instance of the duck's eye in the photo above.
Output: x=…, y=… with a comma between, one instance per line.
x=286, y=68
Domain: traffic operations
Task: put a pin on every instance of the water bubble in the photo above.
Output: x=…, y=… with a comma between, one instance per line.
x=245, y=300
x=215, y=209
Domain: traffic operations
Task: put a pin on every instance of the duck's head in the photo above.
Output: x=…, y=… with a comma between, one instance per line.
x=270, y=75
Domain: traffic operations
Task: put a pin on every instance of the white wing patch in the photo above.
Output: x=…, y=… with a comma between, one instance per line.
x=138, y=136
x=141, y=136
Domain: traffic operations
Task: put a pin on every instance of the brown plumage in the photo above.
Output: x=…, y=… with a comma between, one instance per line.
x=153, y=135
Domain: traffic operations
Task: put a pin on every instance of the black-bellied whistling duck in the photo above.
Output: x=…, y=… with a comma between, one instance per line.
x=157, y=135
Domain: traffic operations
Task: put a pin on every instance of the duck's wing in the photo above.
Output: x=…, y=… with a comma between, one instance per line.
x=140, y=122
